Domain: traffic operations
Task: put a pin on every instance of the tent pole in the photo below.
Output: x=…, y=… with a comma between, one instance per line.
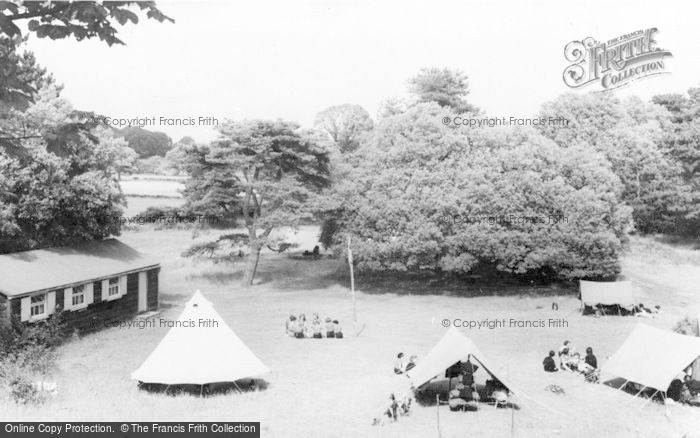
x=640, y=391
x=237, y=387
x=201, y=390
x=437, y=412
x=623, y=385
x=649, y=399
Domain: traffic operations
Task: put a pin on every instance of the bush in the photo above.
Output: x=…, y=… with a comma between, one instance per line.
x=28, y=353
x=687, y=326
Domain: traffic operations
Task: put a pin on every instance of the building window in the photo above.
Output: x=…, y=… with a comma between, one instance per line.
x=38, y=305
x=113, y=287
x=78, y=296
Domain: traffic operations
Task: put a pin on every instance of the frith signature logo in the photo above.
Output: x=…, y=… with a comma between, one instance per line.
x=616, y=62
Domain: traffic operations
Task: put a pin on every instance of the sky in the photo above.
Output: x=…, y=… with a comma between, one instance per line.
x=291, y=59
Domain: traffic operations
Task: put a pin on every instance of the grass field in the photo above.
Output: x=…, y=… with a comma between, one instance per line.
x=143, y=191
x=333, y=388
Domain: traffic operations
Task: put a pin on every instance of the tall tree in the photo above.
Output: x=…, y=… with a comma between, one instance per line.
x=345, y=124
x=78, y=19
x=446, y=87
x=264, y=172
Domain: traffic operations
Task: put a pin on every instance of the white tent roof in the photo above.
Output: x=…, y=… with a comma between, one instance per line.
x=608, y=293
x=453, y=347
x=653, y=357
x=201, y=354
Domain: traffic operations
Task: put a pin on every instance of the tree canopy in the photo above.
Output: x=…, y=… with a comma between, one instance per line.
x=345, y=124
x=446, y=87
x=422, y=195
x=78, y=19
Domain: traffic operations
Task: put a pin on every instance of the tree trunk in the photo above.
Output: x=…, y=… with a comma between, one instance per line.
x=251, y=265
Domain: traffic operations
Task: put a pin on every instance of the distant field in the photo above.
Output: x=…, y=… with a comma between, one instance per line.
x=148, y=185
x=143, y=191
x=136, y=205
x=333, y=388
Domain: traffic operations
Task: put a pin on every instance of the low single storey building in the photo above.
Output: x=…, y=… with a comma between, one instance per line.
x=91, y=283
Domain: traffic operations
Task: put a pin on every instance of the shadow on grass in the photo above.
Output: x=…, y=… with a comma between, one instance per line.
x=207, y=390
x=291, y=273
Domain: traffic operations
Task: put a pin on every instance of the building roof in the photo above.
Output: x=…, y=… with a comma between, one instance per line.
x=52, y=268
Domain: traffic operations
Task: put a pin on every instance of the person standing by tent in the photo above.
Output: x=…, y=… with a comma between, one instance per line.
x=467, y=370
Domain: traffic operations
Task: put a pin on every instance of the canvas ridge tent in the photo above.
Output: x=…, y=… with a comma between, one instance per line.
x=610, y=293
x=452, y=348
x=202, y=354
x=653, y=357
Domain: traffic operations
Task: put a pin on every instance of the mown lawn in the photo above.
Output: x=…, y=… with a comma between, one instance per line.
x=333, y=388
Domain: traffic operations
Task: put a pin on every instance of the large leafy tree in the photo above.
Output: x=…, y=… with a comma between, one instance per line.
x=78, y=19
x=630, y=134
x=419, y=195
x=265, y=173
x=58, y=195
x=345, y=124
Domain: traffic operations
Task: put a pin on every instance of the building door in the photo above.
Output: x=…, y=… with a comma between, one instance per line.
x=143, y=291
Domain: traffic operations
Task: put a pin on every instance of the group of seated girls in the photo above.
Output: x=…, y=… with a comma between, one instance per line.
x=299, y=327
x=570, y=360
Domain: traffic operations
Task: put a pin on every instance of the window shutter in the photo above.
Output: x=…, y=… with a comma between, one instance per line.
x=50, y=302
x=105, y=290
x=89, y=294
x=122, y=285
x=67, y=298
x=25, y=309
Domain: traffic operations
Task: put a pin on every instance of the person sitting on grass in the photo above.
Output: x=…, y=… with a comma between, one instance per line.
x=549, y=365
x=289, y=325
x=337, y=330
x=411, y=362
x=329, y=328
x=316, y=327
x=299, y=328
x=565, y=359
x=591, y=360
x=399, y=366
x=455, y=401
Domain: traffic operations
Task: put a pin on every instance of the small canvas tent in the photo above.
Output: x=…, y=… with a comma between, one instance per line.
x=611, y=293
x=652, y=357
x=453, y=347
x=200, y=349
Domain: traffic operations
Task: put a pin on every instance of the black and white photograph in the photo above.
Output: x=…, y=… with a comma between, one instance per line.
x=349, y=218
